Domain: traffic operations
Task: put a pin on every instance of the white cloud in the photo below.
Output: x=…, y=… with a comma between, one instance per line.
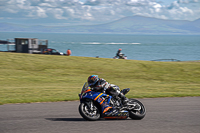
x=41, y=12
x=99, y=10
x=46, y=5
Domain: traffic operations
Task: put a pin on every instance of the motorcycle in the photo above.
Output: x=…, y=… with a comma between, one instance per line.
x=96, y=105
x=121, y=56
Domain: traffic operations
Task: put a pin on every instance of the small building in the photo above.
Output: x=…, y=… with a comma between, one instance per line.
x=30, y=45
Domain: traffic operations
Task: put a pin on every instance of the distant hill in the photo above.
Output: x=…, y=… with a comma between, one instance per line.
x=127, y=25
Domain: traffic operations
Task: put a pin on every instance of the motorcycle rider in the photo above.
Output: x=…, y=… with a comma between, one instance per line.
x=101, y=85
x=119, y=53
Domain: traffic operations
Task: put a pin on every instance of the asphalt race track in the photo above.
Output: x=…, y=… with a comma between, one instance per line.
x=164, y=115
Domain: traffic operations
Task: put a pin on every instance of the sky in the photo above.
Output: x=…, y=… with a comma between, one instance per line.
x=90, y=12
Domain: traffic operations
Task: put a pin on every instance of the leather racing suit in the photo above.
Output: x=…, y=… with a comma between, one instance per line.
x=103, y=86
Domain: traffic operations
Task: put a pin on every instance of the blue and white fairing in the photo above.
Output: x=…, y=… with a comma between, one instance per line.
x=103, y=100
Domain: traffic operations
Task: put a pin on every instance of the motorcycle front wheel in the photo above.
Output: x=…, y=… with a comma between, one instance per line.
x=138, y=112
x=89, y=112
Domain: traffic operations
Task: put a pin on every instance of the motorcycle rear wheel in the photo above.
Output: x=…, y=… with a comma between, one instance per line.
x=87, y=113
x=138, y=113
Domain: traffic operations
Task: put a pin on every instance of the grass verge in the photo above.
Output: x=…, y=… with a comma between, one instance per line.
x=27, y=78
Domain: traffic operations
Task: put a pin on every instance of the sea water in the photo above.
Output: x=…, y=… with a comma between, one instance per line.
x=135, y=47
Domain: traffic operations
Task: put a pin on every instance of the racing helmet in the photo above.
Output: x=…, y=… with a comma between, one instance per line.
x=93, y=79
x=120, y=49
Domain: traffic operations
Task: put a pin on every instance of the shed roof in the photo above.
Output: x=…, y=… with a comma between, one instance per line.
x=25, y=38
x=4, y=42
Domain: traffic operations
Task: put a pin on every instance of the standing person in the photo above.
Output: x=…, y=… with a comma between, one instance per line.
x=69, y=52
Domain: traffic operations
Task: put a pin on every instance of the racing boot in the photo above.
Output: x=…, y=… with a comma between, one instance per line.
x=124, y=99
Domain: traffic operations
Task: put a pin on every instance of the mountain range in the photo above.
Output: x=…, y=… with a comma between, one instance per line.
x=126, y=25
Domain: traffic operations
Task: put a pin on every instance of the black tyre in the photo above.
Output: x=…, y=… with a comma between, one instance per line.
x=138, y=112
x=91, y=114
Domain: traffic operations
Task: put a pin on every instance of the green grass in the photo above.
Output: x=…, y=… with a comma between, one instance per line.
x=26, y=78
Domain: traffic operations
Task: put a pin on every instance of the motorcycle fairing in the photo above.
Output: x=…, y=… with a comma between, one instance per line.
x=108, y=112
x=116, y=114
x=97, y=96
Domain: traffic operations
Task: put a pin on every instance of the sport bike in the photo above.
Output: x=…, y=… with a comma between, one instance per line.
x=96, y=105
x=121, y=56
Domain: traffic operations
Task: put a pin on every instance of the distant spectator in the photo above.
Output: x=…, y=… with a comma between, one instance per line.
x=69, y=52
